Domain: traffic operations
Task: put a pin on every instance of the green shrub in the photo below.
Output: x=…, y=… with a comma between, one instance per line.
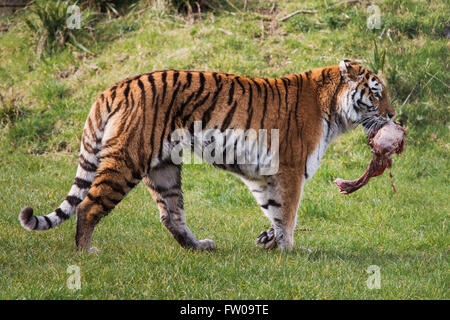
x=107, y=6
x=11, y=109
x=334, y=21
x=189, y=6
x=378, y=59
x=48, y=22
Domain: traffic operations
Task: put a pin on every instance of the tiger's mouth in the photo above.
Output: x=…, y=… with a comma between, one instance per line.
x=372, y=124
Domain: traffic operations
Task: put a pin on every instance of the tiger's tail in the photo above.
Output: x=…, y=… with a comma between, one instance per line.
x=87, y=165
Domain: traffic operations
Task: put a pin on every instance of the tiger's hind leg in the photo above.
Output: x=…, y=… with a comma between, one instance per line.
x=113, y=181
x=164, y=183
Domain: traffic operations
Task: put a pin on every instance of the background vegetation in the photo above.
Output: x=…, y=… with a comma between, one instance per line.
x=49, y=76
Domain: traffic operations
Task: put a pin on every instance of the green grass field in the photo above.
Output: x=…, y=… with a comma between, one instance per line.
x=46, y=97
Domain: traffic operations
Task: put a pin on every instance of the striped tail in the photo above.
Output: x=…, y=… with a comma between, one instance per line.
x=87, y=166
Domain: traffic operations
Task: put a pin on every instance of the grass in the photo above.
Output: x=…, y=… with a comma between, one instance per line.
x=405, y=234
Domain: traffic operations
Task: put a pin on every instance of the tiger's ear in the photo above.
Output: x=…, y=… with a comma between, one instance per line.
x=344, y=67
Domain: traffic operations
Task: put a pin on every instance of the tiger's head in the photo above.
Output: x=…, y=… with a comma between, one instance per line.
x=364, y=99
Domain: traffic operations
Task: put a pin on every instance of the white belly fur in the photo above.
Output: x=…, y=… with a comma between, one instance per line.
x=313, y=161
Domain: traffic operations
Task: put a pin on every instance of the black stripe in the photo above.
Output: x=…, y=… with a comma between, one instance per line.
x=188, y=100
x=229, y=117
x=240, y=84
x=164, y=81
x=323, y=76
x=107, y=170
x=116, y=187
x=286, y=91
x=234, y=167
x=61, y=214
x=188, y=81
x=197, y=105
x=231, y=93
x=73, y=200
x=175, y=78
x=249, y=119
x=301, y=83
x=113, y=201
x=49, y=222
x=172, y=194
x=271, y=202
x=152, y=84
x=278, y=221
x=141, y=86
x=359, y=102
x=114, y=111
x=279, y=95
x=159, y=189
x=132, y=100
x=152, y=138
x=113, y=95
x=130, y=184
x=36, y=225
x=125, y=93
x=127, y=159
x=99, y=201
x=297, y=99
x=265, y=106
x=333, y=99
x=250, y=96
x=108, y=144
x=249, y=107
x=257, y=86
x=143, y=124
x=207, y=115
x=181, y=109
x=92, y=198
x=136, y=175
x=166, y=118
x=270, y=86
x=86, y=165
x=217, y=78
x=353, y=99
x=108, y=108
x=202, y=85
x=91, y=127
x=87, y=146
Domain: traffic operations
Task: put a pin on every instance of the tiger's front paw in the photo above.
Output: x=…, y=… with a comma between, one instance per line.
x=266, y=239
x=206, y=244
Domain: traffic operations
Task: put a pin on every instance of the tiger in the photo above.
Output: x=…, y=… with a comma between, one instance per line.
x=127, y=139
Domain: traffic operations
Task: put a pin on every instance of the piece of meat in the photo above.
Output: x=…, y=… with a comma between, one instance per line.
x=386, y=141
